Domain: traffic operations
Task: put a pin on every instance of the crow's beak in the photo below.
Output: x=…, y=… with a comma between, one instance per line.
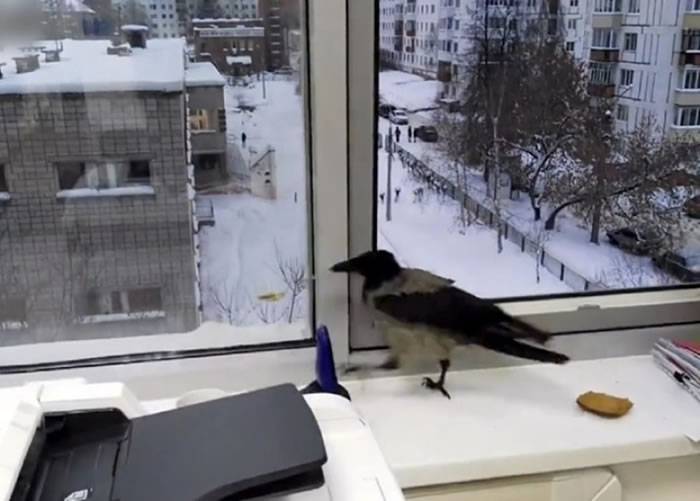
x=349, y=266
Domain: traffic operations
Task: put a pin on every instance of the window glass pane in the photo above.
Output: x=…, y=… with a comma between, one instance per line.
x=158, y=166
x=519, y=166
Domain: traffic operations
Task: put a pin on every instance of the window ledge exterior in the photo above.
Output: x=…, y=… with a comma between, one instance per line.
x=122, y=191
x=120, y=317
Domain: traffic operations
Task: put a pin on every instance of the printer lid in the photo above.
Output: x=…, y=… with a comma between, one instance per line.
x=238, y=447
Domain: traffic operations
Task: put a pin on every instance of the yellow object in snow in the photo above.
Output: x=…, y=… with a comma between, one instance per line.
x=271, y=296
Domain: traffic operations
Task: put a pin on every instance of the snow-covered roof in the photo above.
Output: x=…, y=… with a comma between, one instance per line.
x=85, y=66
x=203, y=75
x=71, y=6
x=134, y=27
x=239, y=60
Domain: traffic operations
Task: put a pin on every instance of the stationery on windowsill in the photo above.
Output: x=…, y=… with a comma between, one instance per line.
x=681, y=361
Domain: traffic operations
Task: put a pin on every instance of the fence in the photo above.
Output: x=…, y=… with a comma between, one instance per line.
x=486, y=216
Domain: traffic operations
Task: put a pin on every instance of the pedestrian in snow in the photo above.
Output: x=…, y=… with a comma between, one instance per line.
x=398, y=134
x=243, y=138
x=418, y=195
x=410, y=134
x=397, y=192
x=381, y=197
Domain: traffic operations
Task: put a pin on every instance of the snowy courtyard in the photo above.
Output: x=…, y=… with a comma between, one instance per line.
x=257, y=242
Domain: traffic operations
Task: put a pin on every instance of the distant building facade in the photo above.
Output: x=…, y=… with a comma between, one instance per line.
x=235, y=46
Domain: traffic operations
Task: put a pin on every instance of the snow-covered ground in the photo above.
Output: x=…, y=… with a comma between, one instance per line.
x=241, y=280
x=408, y=91
x=429, y=235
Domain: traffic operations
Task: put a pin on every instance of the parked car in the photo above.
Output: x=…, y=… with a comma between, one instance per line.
x=636, y=242
x=385, y=109
x=684, y=267
x=398, y=116
x=426, y=133
x=692, y=207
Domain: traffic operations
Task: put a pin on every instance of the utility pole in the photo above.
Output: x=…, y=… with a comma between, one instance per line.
x=389, y=151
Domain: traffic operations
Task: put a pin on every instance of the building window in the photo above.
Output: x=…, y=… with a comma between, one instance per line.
x=694, y=5
x=626, y=77
x=102, y=175
x=633, y=7
x=623, y=112
x=71, y=175
x=570, y=46
x=573, y=3
x=691, y=79
x=3, y=180
x=13, y=312
x=604, y=38
x=688, y=117
x=601, y=73
x=97, y=304
x=631, y=41
x=607, y=6
x=571, y=24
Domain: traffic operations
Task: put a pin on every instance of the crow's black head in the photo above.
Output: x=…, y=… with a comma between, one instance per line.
x=375, y=266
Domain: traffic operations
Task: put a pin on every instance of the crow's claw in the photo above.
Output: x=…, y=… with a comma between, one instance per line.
x=432, y=385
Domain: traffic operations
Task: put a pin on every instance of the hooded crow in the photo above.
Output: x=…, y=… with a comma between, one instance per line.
x=422, y=314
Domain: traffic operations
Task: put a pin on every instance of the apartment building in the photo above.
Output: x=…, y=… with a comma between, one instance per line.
x=645, y=53
x=96, y=200
x=236, y=46
x=162, y=18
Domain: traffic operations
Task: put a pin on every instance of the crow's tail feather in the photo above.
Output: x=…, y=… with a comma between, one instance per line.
x=514, y=328
x=515, y=348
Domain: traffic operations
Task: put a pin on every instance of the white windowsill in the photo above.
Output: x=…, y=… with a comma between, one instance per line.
x=13, y=325
x=4, y=196
x=685, y=127
x=120, y=317
x=106, y=192
x=203, y=131
x=687, y=91
x=524, y=420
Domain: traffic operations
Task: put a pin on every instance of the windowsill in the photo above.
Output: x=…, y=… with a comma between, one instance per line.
x=13, y=325
x=121, y=317
x=525, y=420
x=687, y=91
x=124, y=191
x=685, y=127
x=5, y=196
x=204, y=131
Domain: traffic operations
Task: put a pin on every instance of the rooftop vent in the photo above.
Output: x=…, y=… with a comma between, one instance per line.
x=135, y=35
x=27, y=63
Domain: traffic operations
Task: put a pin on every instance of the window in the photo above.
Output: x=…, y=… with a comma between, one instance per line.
x=688, y=116
x=3, y=180
x=693, y=5
x=132, y=210
x=604, y=38
x=97, y=304
x=573, y=3
x=691, y=79
x=623, y=112
x=445, y=205
x=13, y=312
x=626, y=77
x=633, y=7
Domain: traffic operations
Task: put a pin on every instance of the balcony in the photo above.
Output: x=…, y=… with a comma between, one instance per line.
x=690, y=48
x=685, y=134
x=605, y=54
x=605, y=90
x=398, y=28
x=444, y=73
x=686, y=97
x=691, y=18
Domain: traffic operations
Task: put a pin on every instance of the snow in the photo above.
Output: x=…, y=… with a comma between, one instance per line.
x=85, y=66
x=106, y=192
x=239, y=253
x=409, y=91
x=73, y=6
x=429, y=235
x=203, y=75
x=239, y=60
x=134, y=27
x=5, y=196
x=121, y=317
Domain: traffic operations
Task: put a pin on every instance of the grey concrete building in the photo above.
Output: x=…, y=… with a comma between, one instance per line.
x=96, y=205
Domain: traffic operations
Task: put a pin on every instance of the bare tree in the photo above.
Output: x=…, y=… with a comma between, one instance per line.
x=229, y=302
x=293, y=274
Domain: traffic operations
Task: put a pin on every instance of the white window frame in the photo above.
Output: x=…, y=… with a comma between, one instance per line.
x=626, y=77
x=691, y=113
x=628, y=37
x=633, y=6
x=693, y=6
x=604, y=38
x=325, y=93
x=691, y=73
x=576, y=313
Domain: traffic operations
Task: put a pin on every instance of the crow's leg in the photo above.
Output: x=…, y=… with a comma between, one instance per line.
x=440, y=383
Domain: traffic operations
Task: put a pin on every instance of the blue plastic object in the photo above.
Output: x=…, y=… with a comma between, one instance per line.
x=326, y=377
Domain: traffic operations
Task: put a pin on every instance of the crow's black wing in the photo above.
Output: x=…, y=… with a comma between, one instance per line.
x=448, y=309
